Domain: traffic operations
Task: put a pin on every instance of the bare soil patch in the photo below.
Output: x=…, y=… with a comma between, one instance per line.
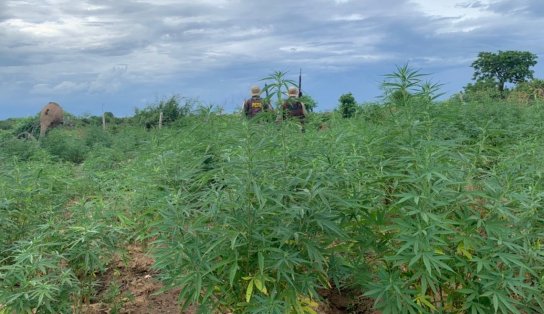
x=344, y=302
x=130, y=286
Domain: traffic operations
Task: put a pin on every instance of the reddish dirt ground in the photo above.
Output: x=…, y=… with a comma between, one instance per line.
x=132, y=287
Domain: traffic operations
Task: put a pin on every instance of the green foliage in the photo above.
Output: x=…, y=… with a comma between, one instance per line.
x=112, y=122
x=248, y=232
x=73, y=146
x=405, y=87
x=347, y=105
x=430, y=91
x=109, y=117
x=530, y=91
x=426, y=209
x=482, y=91
x=102, y=158
x=53, y=270
x=51, y=247
x=504, y=67
x=35, y=279
x=486, y=91
x=8, y=124
x=96, y=136
x=374, y=112
x=29, y=125
x=65, y=146
x=452, y=232
x=21, y=149
x=277, y=85
x=171, y=108
x=87, y=120
x=309, y=102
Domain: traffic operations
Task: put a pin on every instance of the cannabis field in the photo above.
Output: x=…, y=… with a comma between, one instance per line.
x=428, y=208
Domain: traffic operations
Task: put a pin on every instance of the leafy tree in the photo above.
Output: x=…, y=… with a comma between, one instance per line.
x=504, y=67
x=348, y=105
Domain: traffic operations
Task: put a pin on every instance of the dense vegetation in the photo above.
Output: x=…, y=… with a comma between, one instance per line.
x=422, y=206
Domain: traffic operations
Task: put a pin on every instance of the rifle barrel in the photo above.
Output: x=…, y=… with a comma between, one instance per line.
x=300, y=83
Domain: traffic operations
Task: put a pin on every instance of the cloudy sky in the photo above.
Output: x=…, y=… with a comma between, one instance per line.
x=117, y=55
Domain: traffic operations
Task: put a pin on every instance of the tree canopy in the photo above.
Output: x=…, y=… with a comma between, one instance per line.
x=504, y=67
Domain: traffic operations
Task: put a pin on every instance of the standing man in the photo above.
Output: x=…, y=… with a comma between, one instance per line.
x=255, y=104
x=293, y=107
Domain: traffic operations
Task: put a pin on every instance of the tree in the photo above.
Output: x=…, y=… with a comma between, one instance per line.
x=504, y=67
x=348, y=105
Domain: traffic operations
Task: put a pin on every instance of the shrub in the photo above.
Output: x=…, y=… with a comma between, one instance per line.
x=482, y=91
x=103, y=159
x=19, y=148
x=36, y=279
x=8, y=124
x=256, y=236
x=29, y=125
x=65, y=145
x=347, y=105
x=375, y=113
x=309, y=102
x=96, y=136
x=171, y=109
x=530, y=91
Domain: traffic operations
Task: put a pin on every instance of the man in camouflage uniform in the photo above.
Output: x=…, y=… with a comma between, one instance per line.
x=255, y=104
x=293, y=108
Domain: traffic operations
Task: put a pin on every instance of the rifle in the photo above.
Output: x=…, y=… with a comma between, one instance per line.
x=300, y=83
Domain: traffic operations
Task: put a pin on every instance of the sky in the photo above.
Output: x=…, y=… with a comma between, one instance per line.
x=94, y=56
